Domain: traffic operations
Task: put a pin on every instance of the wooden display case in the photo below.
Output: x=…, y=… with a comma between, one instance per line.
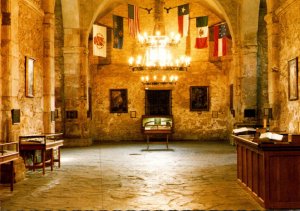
x=270, y=171
x=48, y=144
x=8, y=153
x=157, y=125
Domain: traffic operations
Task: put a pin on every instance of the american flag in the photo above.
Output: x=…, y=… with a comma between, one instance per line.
x=133, y=20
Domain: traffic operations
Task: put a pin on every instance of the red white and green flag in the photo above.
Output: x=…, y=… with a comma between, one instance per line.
x=183, y=19
x=202, y=32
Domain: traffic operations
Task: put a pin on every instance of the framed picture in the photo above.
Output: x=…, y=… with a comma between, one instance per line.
x=132, y=114
x=29, y=77
x=118, y=101
x=293, y=79
x=15, y=116
x=199, y=98
x=214, y=114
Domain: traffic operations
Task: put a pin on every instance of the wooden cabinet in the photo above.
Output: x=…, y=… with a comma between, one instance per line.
x=45, y=143
x=155, y=125
x=270, y=171
x=8, y=153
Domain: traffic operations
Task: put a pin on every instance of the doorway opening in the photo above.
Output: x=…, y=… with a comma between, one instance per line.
x=158, y=102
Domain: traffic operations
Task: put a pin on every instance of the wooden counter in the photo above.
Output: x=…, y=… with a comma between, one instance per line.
x=270, y=172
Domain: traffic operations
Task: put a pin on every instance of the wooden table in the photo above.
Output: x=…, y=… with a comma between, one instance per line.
x=270, y=171
x=8, y=156
x=150, y=133
x=47, y=142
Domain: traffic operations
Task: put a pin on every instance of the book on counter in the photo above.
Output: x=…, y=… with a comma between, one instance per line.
x=244, y=130
x=271, y=136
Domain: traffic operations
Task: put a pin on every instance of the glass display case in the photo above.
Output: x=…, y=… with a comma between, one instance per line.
x=157, y=125
x=41, y=149
x=8, y=153
x=8, y=150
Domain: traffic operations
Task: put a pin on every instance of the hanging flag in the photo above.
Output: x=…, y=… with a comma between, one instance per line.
x=118, y=31
x=220, y=41
x=99, y=40
x=183, y=19
x=202, y=32
x=133, y=20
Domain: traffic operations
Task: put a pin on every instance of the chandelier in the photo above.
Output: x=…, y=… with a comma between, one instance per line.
x=158, y=53
x=163, y=80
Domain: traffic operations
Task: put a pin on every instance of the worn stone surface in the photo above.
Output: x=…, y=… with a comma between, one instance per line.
x=117, y=75
x=190, y=175
x=289, y=21
x=31, y=45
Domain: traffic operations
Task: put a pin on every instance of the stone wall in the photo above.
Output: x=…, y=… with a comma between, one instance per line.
x=188, y=125
x=31, y=45
x=23, y=38
x=289, y=22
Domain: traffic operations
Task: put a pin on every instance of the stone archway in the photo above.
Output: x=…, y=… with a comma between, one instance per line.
x=242, y=73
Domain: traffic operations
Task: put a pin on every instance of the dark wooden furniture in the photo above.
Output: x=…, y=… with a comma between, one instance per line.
x=45, y=143
x=270, y=171
x=8, y=153
x=157, y=125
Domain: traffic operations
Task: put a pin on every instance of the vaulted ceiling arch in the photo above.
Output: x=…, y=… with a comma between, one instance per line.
x=107, y=5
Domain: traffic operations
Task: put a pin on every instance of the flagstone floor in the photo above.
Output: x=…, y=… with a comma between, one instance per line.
x=190, y=175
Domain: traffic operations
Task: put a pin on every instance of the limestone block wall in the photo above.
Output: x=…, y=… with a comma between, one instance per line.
x=116, y=75
x=31, y=45
x=289, y=22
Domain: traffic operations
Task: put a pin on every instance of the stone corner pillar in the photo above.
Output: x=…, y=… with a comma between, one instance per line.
x=273, y=62
x=49, y=73
x=75, y=94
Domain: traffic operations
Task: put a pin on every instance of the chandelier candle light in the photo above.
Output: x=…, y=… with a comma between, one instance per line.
x=156, y=81
x=158, y=55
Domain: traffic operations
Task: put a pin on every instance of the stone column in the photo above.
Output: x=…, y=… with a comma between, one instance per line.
x=9, y=79
x=48, y=68
x=10, y=68
x=235, y=80
x=273, y=54
x=1, y=82
x=75, y=86
x=248, y=79
x=249, y=16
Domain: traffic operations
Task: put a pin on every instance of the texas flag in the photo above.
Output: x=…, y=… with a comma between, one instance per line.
x=220, y=41
x=202, y=32
x=183, y=19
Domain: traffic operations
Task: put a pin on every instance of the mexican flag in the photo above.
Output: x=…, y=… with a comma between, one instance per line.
x=202, y=32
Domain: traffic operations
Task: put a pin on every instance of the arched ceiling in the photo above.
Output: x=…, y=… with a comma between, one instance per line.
x=83, y=14
x=107, y=5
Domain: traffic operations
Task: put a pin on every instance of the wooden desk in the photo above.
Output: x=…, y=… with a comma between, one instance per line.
x=157, y=125
x=270, y=172
x=150, y=133
x=8, y=155
x=42, y=142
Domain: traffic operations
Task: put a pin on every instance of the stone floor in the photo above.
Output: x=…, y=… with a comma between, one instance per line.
x=190, y=175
